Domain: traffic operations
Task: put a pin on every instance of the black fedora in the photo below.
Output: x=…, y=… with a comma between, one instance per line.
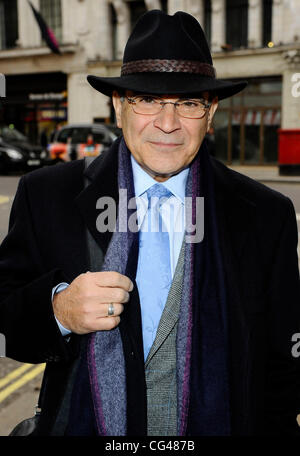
x=167, y=55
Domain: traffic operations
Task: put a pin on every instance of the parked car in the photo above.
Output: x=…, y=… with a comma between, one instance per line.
x=17, y=153
x=76, y=141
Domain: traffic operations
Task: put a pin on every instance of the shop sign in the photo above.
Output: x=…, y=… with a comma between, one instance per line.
x=47, y=96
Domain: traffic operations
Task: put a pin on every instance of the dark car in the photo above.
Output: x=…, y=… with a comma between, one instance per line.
x=16, y=152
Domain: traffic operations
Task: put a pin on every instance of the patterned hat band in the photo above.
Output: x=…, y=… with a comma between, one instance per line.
x=168, y=66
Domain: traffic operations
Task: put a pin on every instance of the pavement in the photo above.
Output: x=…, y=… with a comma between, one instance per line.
x=265, y=174
x=22, y=407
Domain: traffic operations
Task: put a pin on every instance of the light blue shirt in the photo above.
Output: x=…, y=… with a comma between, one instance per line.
x=175, y=225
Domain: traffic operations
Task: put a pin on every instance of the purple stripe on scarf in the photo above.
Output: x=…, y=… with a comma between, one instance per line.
x=190, y=251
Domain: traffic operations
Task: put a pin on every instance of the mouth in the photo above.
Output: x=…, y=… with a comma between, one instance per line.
x=167, y=145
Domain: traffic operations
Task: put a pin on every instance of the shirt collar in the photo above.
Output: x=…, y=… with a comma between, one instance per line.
x=142, y=181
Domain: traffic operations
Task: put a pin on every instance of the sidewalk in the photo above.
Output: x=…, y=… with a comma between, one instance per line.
x=265, y=174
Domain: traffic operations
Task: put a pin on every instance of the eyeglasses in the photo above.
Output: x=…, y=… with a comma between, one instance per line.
x=150, y=105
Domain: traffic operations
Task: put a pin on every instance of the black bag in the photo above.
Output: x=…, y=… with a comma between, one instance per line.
x=26, y=427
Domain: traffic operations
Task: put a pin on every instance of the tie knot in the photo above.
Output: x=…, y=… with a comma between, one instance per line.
x=158, y=191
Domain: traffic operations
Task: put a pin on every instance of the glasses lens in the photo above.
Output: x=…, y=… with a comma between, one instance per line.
x=146, y=105
x=191, y=108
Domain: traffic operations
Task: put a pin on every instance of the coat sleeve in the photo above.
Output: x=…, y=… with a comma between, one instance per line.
x=283, y=315
x=26, y=315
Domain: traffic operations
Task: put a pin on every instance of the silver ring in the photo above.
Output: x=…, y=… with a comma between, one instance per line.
x=111, y=310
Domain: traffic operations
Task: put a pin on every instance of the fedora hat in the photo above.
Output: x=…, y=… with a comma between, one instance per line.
x=167, y=55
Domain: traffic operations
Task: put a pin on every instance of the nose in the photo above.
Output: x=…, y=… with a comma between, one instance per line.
x=167, y=120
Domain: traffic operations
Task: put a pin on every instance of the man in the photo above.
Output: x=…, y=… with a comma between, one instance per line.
x=165, y=331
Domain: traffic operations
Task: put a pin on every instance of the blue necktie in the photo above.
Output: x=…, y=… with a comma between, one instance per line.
x=154, y=271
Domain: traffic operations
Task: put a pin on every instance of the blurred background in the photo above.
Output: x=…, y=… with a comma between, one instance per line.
x=257, y=40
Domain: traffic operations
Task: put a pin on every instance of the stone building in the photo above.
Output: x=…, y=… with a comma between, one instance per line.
x=255, y=40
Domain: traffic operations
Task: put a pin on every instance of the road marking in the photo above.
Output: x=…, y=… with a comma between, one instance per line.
x=4, y=199
x=14, y=374
x=22, y=381
x=298, y=217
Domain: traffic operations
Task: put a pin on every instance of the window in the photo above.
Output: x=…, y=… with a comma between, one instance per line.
x=113, y=21
x=8, y=24
x=164, y=5
x=246, y=125
x=267, y=21
x=51, y=12
x=207, y=20
x=237, y=23
x=137, y=8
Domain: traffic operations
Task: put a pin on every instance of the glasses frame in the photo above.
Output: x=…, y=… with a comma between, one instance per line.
x=132, y=102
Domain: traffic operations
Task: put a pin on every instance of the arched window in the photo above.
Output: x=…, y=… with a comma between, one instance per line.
x=51, y=12
x=207, y=20
x=113, y=21
x=164, y=5
x=8, y=24
x=237, y=23
x=137, y=8
x=267, y=21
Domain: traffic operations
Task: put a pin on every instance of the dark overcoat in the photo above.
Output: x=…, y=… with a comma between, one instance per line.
x=46, y=245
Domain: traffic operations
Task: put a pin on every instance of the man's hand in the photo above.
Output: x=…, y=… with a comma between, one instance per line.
x=83, y=306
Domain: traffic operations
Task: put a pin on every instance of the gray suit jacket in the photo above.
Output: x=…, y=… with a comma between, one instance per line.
x=160, y=366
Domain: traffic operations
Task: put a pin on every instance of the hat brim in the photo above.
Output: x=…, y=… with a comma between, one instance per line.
x=167, y=83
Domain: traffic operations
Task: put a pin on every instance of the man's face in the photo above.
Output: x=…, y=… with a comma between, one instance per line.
x=165, y=143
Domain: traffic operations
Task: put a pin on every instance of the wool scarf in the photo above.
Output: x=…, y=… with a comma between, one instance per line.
x=203, y=402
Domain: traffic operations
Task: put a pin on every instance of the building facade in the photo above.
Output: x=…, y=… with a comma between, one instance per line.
x=255, y=40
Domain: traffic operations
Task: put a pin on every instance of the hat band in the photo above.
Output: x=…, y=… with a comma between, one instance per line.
x=168, y=66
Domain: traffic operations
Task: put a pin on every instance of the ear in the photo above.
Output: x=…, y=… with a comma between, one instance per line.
x=116, y=99
x=211, y=112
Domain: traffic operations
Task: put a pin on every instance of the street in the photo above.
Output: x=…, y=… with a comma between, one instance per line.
x=20, y=383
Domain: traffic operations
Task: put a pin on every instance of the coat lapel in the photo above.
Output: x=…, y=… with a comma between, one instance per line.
x=238, y=211
x=103, y=176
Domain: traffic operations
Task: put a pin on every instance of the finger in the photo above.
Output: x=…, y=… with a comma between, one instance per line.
x=100, y=310
x=104, y=324
x=113, y=279
x=107, y=295
x=117, y=310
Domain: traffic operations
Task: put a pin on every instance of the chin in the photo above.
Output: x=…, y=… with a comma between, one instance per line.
x=164, y=173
